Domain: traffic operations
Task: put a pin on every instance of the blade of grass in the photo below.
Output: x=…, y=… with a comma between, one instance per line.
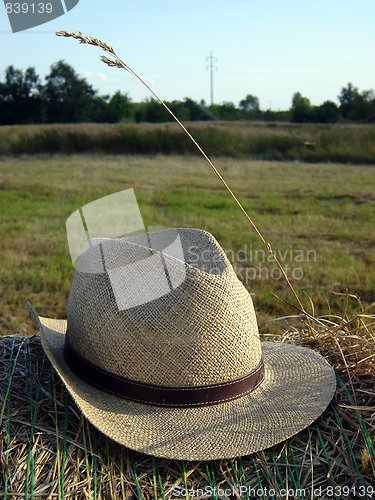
x=10, y=377
x=326, y=456
x=265, y=471
x=7, y=399
x=64, y=449
x=359, y=475
x=109, y=481
x=298, y=479
x=33, y=412
x=184, y=479
x=277, y=469
x=139, y=494
x=235, y=476
x=290, y=471
x=211, y=480
x=243, y=477
x=122, y=473
x=368, y=440
x=94, y=463
x=88, y=474
x=258, y=476
x=154, y=479
x=57, y=444
x=117, y=62
x=160, y=481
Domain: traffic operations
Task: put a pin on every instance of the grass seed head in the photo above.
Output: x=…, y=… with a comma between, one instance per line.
x=110, y=62
x=89, y=40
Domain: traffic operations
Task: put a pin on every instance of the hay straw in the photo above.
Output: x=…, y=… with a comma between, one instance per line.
x=50, y=451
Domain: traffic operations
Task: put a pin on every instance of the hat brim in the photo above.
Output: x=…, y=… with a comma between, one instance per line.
x=298, y=385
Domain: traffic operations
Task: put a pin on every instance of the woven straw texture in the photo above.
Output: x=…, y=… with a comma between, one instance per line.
x=195, y=333
x=203, y=330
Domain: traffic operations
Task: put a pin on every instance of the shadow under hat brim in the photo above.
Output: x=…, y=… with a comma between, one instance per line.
x=297, y=387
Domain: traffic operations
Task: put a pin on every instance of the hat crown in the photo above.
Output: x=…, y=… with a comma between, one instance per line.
x=160, y=315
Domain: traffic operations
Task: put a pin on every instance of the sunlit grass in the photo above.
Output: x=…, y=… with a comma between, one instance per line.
x=324, y=213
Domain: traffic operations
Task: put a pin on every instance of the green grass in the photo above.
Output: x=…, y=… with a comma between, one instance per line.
x=319, y=219
x=267, y=141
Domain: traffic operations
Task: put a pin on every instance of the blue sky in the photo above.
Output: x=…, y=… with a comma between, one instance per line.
x=270, y=49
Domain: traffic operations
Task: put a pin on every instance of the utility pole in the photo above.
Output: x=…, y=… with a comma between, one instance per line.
x=212, y=66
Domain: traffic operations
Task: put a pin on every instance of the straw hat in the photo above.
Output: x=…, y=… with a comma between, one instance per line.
x=161, y=352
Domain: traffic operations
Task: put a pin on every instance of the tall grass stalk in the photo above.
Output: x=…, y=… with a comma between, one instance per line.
x=184, y=479
x=212, y=480
x=266, y=469
x=88, y=472
x=352, y=454
x=235, y=475
x=64, y=449
x=369, y=443
x=276, y=468
x=154, y=479
x=160, y=481
x=329, y=465
x=7, y=401
x=258, y=477
x=243, y=477
x=116, y=62
x=30, y=469
x=122, y=474
x=289, y=471
x=298, y=478
x=10, y=377
x=136, y=480
x=60, y=474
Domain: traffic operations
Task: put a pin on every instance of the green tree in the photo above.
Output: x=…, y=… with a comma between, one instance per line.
x=20, y=100
x=113, y=109
x=225, y=111
x=301, y=108
x=179, y=109
x=250, y=106
x=347, y=99
x=120, y=107
x=364, y=106
x=155, y=112
x=328, y=112
x=197, y=111
x=67, y=97
x=152, y=111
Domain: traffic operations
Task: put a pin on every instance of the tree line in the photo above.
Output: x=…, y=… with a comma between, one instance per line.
x=65, y=97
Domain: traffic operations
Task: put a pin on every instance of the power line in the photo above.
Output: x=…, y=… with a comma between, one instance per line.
x=302, y=74
x=295, y=63
x=212, y=66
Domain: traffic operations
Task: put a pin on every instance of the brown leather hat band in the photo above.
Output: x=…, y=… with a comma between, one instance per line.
x=161, y=395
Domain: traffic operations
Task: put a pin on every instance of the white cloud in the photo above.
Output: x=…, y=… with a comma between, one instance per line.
x=98, y=75
x=102, y=76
